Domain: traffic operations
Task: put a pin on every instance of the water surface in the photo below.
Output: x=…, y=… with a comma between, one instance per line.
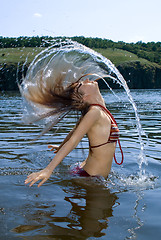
x=125, y=206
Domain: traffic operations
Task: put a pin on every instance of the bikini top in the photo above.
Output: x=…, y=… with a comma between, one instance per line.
x=114, y=133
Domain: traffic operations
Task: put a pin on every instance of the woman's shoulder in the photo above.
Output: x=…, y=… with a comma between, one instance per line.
x=99, y=110
x=93, y=114
x=95, y=110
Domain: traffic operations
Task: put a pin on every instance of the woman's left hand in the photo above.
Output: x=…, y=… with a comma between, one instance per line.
x=56, y=147
x=36, y=176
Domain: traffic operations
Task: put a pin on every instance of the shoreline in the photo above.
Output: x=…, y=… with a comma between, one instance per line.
x=138, y=75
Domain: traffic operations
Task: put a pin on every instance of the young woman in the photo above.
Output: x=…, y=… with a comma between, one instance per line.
x=96, y=122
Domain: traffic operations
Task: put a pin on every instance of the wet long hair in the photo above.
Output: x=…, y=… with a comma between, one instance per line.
x=55, y=97
x=59, y=101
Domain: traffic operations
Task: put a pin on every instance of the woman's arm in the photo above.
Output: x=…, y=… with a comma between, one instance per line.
x=87, y=122
x=57, y=148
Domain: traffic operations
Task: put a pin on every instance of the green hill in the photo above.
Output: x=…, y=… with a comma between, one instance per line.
x=16, y=55
x=139, y=72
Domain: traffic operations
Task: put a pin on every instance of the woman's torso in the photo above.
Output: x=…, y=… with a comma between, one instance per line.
x=100, y=158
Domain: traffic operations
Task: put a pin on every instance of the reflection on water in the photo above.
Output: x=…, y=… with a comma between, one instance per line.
x=140, y=223
x=125, y=206
x=88, y=212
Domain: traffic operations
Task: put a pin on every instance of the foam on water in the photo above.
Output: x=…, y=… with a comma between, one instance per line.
x=132, y=182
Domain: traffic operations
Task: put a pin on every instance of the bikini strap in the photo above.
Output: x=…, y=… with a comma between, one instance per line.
x=122, y=155
x=106, y=110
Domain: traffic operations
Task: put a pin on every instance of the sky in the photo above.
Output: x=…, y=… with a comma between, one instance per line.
x=117, y=20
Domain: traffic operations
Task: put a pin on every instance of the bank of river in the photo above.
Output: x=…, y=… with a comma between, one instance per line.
x=139, y=74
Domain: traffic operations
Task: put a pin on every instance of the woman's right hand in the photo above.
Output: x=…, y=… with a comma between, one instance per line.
x=36, y=176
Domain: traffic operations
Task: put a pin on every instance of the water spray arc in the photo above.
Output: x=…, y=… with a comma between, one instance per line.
x=73, y=62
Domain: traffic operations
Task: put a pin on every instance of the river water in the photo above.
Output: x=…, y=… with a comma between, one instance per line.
x=125, y=206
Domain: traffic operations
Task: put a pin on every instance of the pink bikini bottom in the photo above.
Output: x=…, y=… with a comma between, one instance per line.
x=78, y=171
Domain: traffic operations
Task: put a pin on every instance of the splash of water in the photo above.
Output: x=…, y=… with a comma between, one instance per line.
x=71, y=60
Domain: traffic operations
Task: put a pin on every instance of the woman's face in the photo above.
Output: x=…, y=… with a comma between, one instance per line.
x=87, y=87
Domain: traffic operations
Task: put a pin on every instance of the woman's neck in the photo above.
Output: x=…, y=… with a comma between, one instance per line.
x=98, y=99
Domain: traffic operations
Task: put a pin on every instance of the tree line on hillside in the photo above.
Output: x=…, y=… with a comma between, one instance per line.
x=150, y=51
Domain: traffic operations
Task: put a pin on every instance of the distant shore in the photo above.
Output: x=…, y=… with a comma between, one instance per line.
x=139, y=73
